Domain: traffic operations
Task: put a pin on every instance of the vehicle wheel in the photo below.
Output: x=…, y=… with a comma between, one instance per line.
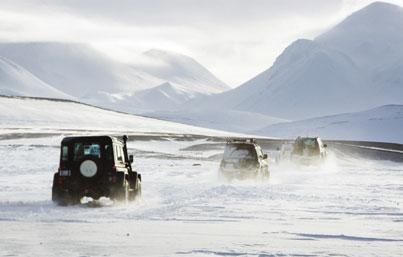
x=121, y=193
x=63, y=198
x=135, y=193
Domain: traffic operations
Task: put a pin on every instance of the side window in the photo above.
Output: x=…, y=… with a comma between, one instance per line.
x=65, y=153
x=116, y=153
x=259, y=151
x=108, y=152
x=119, y=153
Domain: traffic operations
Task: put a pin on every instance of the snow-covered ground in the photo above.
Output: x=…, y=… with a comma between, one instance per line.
x=45, y=116
x=347, y=207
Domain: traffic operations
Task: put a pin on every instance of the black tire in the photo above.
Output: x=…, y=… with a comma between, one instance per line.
x=135, y=193
x=135, y=190
x=63, y=198
x=121, y=192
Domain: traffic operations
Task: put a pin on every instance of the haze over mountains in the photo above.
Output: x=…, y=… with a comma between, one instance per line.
x=358, y=59
x=86, y=74
x=355, y=66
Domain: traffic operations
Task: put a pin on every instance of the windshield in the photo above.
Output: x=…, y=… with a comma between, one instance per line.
x=306, y=144
x=239, y=151
x=82, y=150
x=309, y=142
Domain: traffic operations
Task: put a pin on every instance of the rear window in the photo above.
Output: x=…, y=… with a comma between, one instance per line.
x=82, y=150
x=239, y=151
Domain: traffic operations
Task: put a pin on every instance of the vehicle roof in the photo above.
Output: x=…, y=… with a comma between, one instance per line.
x=249, y=141
x=92, y=138
x=241, y=143
x=301, y=138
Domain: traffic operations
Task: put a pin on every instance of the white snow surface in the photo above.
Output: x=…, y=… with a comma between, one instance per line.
x=37, y=114
x=382, y=124
x=354, y=66
x=347, y=207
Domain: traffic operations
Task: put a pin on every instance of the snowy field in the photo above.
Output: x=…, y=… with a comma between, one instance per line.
x=345, y=207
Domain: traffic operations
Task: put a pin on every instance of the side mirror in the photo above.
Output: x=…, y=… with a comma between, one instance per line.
x=131, y=159
x=324, y=145
x=265, y=156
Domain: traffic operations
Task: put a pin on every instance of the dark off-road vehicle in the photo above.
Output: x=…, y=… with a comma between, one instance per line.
x=307, y=149
x=95, y=166
x=244, y=158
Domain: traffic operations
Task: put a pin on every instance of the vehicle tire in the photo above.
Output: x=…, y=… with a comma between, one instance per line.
x=135, y=190
x=64, y=198
x=121, y=192
x=61, y=197
x=135, y=193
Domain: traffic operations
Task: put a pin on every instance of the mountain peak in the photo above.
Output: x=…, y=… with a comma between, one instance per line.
x=378, y=13
x=381, y=5
x=376, y=19
x=182, y=70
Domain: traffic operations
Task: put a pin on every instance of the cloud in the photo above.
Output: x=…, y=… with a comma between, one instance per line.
x=235, y=39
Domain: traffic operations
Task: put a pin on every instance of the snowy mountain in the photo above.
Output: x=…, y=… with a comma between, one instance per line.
x=89, y=75
x=15, y=80
x=162, y=97
x=46, y=114
x=383, y=124
x=76, y=69
x=354, y=66
x=183, y=72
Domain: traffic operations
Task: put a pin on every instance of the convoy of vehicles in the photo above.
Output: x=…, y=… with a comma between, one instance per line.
x=95, y=166
x=244, y=158
x=100, y=166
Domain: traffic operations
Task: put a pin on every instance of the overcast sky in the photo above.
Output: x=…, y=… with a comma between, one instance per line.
x=235, y=39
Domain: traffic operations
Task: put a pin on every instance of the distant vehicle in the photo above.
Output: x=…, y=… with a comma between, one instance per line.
x=95, y=166
x=244, y=158
x=308, y=149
